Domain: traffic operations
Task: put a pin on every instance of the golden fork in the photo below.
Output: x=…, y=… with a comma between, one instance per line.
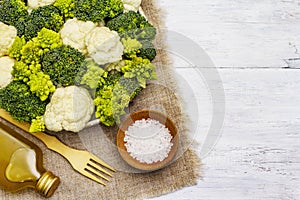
x=83, y=162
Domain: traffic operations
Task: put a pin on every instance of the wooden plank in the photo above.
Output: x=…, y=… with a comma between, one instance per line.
x=257, y=156
x=240, y=34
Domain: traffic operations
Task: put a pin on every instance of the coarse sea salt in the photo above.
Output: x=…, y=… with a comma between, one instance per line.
x=148, y=141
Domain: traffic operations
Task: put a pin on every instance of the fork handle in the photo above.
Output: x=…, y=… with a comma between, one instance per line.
x=50, y=141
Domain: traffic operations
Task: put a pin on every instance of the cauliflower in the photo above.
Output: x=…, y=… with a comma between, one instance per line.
x=34, y=4
x=73, y=33
x=6, y=67
x=104, y=45
x=70, y=109
x=131, y=5
x=8, y=35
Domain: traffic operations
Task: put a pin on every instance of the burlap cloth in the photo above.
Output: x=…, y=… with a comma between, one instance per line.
x=159, y=95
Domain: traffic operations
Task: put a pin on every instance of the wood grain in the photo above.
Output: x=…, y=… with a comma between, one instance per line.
x=240, y=34
x=257, y=156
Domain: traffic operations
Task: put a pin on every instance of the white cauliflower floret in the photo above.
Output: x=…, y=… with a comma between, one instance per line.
x=34, y=4
x=7, y=37
x=6, y=67
x=70, y=109
x=73, y=33
x=104, y=45
x=131, y=5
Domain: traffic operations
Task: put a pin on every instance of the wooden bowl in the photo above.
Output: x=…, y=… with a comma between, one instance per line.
x=146, y=114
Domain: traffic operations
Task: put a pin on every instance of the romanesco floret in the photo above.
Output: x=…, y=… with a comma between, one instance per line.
x=37, y=125
x=47, y=39
x=11, y=11
x=15, y=50
x=63, y=64
x=23, y=106
x=93, y=76
x=141, y=69
x=131, y=47
x=22, y=71
x=115, y=66
x=41, y=85
x=66, y=7
x=113, y=97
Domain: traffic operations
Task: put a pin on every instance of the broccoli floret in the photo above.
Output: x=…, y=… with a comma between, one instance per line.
x=63, y=64
x=37, y=125
x=66, y=7
x=133, y=25
x=97, y=11
x=140, y=69
x=147, y=51
x=23, y=106
x=48, y=17
x=12, y=11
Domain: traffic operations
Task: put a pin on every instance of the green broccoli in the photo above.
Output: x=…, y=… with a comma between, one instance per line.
x=133, y=25
x=66, y=7
x=140, y=69
x=97, y=11
x=23, y=106
x=12, y=11
x=48, y=17
x=147, y=51
x=63, y=64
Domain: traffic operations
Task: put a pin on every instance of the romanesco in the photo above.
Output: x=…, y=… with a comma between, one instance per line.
x=141, y=69
x=66, y=7
x=37, y=125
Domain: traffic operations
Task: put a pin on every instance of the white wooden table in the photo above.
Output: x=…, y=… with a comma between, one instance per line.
x=256, y=47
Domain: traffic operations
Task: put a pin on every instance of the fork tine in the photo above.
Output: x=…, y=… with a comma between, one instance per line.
x=91, y=176
x=100, y=162
x=96, y=166
x=91, y=169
